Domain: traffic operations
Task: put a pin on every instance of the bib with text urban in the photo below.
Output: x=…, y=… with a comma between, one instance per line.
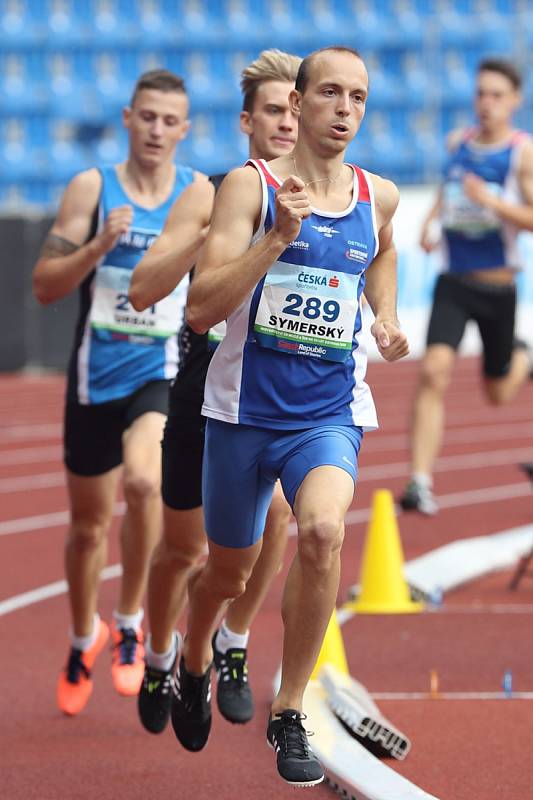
x=307, y=312
x=112, y=311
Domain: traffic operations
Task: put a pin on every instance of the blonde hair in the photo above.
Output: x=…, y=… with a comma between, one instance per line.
x=272, y=65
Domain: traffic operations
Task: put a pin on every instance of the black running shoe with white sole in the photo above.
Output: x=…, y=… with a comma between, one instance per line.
x=155, y=697
x=234, y=696
x=297, y=764
x=191, y=708
x=418, y=498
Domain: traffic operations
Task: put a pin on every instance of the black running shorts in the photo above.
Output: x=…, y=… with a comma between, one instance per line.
x=183, y=450
x=93, y=433
x=458, y=299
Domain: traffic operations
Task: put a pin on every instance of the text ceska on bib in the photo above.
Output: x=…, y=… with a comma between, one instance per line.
x=307, y=311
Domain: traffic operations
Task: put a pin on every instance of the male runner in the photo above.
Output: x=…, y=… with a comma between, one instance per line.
x=120, y=369
x=485, y=200
x=292, y=245
x=271, y=127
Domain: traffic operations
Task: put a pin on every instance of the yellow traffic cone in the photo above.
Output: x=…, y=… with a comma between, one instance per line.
x=384, y=589
x=332, y=650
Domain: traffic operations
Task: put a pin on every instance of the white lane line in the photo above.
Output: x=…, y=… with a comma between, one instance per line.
x=466, y=461
x=30, y=455
x=23, y=483
x=400, y=441
x=40, y=521
x=449, y=463
x=30, y=432
x=454, y=500
x=452, y=696
x=50, y=590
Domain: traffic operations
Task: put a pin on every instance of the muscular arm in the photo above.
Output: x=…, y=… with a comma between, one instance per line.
x=381, y=278
x=228, y=268
x=174, y=251
x=65, y=260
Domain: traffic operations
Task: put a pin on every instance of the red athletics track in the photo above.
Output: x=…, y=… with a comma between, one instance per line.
x=462, y=750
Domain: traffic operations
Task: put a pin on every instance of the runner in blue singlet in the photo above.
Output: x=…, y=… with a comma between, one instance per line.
x=121, y=365
x=291, y=246
x=485, y=200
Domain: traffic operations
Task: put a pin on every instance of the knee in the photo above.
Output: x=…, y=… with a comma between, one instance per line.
x=434, y=376
x=226, y=584
x=179, y=552
x=86, y=534
x=319, y=543
x=140, y=489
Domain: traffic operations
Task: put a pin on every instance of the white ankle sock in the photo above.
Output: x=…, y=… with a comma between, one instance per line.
x=423, y=480
x=129, y=620
x=226, y=639
x=85, y=642
x=162, y=661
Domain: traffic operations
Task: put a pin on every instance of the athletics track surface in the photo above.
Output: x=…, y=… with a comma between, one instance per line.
x=462, y=749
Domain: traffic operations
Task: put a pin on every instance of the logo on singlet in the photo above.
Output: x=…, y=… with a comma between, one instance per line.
x=325, y=230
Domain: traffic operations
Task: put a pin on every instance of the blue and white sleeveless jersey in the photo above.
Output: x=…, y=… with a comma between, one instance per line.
x=117, y=349
x=292, y=356
x=475, y=237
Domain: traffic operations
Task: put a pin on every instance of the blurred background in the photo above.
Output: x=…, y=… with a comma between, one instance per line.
x=67, y=68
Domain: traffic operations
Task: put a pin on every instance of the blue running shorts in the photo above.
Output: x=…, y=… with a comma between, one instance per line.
x=242, y=463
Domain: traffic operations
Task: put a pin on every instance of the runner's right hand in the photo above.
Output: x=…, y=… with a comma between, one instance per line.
x=292, y=206
x=118, y=221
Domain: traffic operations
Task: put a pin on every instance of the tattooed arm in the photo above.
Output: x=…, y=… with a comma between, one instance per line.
x=66, y=256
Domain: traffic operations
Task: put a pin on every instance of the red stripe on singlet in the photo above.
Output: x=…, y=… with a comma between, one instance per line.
x=364, y=191
x=261, y=166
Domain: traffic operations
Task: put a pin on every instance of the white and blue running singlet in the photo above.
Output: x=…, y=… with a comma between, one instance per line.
x=292, y=357
x=117, y=349
x=475, y=237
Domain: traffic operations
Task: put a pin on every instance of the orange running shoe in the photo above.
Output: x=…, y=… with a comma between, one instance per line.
x=75, y=685
x=127, y=669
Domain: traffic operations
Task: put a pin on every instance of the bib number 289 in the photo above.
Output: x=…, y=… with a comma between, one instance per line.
x=312, y=308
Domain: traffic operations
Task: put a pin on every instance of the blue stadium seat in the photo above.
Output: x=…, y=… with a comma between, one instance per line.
x=66, y=156
x=65, y=26
x=22, y=86
x=20, y=155
x=21, y=24
x=69, y=87
x=157, y=29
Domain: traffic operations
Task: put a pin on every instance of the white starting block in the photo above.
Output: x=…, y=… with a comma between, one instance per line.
x=352, y=704
x=350, y=769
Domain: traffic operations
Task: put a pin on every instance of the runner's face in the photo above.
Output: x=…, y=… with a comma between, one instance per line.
x=156, y=123
x=271, y=125
x=496, y=100
x=333, y=103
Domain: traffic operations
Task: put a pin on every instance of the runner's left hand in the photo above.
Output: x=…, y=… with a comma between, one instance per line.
x=390, y=340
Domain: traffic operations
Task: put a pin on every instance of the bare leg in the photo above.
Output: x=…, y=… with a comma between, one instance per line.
x=222, y=579
x=242, y=611
x=182, y=544
x=428, y=412
x=142, y=522
x=502, y=390
x=313, y=581
x=91, y=501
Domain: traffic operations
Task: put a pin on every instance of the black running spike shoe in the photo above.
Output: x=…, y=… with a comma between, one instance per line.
x=191, y=708
x=155, y=697
x=297, y=764
x=234, y=696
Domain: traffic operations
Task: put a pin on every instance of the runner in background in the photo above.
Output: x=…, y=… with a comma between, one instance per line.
x=485, y=200
x=121, y=366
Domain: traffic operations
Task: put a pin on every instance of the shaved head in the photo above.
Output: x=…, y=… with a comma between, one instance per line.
x=306, y=67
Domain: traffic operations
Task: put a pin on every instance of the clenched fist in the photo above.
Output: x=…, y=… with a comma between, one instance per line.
x=292, y=206
x=117, y=222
